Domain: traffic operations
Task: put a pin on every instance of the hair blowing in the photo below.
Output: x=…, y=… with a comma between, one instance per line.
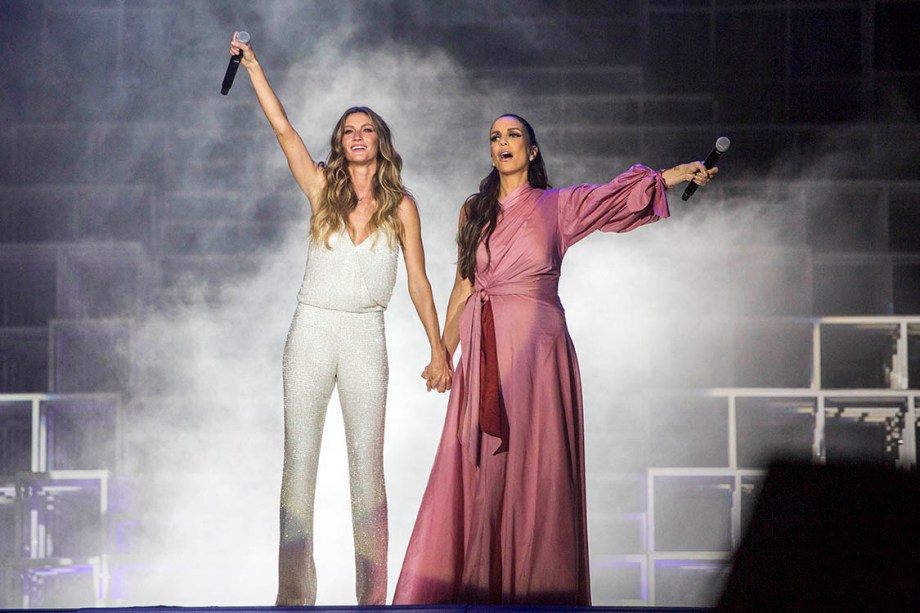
x=339, y=198
x=482, y=208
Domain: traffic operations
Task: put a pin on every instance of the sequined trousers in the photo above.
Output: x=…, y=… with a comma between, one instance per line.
x=325, y=349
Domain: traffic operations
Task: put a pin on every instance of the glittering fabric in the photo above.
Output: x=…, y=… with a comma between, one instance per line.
x=352, y=278
x=340, y=345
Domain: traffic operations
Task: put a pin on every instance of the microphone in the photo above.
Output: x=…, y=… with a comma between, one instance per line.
x=722, y=145
x=243, y=37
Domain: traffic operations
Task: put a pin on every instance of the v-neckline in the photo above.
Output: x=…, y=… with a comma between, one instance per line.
x=352, y=241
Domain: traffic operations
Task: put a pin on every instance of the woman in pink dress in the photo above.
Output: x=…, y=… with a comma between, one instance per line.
x=503, y=519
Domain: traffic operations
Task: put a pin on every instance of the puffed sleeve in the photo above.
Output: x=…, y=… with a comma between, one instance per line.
x=632, y=199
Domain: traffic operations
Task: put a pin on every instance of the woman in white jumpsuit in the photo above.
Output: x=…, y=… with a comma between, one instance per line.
x=362, y=214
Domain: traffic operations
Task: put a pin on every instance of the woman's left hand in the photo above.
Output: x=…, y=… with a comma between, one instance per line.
x=692, y=171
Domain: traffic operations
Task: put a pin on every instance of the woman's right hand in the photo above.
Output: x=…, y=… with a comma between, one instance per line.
x=249, y=57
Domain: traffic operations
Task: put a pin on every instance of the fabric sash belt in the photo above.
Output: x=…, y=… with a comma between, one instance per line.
x=483, y=405
x=491, y=406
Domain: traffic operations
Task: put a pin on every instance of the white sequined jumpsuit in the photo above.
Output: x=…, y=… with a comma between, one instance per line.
x=337, y=339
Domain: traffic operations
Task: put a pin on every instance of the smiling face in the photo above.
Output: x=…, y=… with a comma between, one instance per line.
x=510, y=146
x=359, y=139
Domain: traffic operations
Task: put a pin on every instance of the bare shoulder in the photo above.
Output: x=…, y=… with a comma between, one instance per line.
x=407, y=209
x=407, y=205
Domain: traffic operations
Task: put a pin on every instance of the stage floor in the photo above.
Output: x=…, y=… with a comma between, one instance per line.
x=381, y=609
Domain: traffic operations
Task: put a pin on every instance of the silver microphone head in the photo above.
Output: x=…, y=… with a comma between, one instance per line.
x=722, y=144
x=243, y=37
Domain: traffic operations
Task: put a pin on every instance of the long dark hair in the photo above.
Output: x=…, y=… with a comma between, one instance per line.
x=482, y=208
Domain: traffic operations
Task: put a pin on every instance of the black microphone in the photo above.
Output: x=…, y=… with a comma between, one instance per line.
x=242, y=37
x=722, y=145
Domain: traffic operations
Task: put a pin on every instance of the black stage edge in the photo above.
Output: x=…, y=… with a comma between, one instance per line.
x=381, y=609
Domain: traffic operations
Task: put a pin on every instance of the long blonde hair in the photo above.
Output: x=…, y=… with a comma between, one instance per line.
x=339, y=198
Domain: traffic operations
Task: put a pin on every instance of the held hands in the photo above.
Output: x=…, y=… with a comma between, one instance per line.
x=249, y=57
x=439, y=373
x=692, y=171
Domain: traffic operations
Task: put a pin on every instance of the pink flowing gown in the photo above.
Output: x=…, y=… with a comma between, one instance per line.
x=510, y=527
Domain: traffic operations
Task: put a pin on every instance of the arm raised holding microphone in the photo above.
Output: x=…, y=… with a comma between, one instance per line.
x=362, y=216
x=306, y=172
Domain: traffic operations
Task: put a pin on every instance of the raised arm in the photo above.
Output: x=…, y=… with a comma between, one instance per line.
x=438, y=372
x=458, y=296
x=308, y=175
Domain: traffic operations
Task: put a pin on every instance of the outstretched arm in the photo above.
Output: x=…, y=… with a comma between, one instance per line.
x=437, y=373
x=306, y=172
x=632, y=199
